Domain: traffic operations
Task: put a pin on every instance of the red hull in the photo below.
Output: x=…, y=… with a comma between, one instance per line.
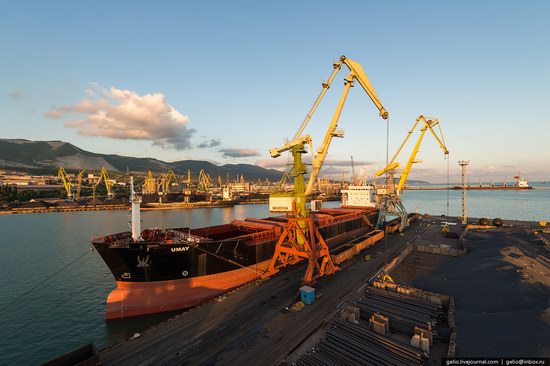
x=142, y=298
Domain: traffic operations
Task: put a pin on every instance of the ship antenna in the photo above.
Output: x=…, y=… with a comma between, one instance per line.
x=135, y=200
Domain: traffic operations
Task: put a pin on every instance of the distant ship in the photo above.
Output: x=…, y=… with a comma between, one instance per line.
x=158, y=270
x=520, y=185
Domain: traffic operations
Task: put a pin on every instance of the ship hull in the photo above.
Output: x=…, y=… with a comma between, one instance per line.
x=141, y=298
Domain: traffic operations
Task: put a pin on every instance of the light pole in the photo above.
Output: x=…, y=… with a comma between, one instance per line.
x=463, y=164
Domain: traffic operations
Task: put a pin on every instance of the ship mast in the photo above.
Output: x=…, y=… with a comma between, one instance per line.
x=135, y=200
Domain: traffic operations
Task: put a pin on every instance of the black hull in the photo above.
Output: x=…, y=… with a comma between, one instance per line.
x=158, y=261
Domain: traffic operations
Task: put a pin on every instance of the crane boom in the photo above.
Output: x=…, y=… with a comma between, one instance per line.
x=356, y=72
x=361, y=76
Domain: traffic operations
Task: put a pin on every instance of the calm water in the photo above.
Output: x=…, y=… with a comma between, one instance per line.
x=68, y=310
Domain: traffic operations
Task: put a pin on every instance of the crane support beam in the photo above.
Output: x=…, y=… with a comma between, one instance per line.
x=319, y=158
x=326, y=86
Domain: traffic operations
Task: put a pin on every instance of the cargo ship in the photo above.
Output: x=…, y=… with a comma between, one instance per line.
x=520, y=184
x=158, y=270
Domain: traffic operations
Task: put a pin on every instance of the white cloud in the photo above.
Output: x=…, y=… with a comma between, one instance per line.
x=124, y=114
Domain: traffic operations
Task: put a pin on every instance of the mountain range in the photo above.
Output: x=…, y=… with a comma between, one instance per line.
x=45, y=157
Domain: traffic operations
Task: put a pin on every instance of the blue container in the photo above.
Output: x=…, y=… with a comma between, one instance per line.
x=307, y=294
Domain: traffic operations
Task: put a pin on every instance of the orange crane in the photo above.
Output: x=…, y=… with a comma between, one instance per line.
x=301, y=239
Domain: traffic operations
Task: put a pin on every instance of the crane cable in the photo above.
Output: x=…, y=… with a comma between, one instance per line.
x=45, y=280
x=445, y=228
x=448, y=174
x=387, y=185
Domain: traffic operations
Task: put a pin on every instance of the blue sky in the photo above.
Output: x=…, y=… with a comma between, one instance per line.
x=238, y=77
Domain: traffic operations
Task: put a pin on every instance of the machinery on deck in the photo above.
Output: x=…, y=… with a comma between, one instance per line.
x=389, y=194
x=301, y=239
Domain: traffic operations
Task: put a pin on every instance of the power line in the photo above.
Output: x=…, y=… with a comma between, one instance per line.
x=44, y=281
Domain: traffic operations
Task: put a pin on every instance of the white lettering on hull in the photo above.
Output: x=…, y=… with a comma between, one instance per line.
x=179, y=249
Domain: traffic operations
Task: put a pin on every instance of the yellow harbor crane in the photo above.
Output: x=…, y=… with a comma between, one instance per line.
x=165, y=182
x=67, y=184
x=149, y=184
x=79, y=183
x=297, y=145
x=389, y=194
x=205, y=183
x=304, y=240
x=104, y=175
x=187, y=183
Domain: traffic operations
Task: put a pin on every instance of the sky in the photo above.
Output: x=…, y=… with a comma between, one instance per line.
x=225, y=81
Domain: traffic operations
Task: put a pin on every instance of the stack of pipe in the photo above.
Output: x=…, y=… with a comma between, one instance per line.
x=354, y=344
x=404, y=312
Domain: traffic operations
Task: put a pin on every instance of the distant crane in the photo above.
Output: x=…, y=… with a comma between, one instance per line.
x=108, y=182
x=79, y=183
x=205, y=182
x=165, y=183
x=67, y=184
x=103, y=177
x=149, y=184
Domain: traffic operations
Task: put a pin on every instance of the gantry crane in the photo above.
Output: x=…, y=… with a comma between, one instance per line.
x=389, y=195
x=301, y=239
x=67, y=184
